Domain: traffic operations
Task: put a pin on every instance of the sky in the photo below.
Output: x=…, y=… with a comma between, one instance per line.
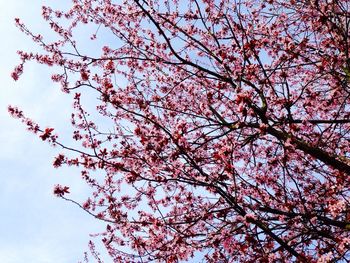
x=35, y=226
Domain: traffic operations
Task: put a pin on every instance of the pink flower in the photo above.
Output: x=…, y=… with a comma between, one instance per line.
x=58, y=161
x=84, y=75
x=46, y=134
x=60, y=190
x=17, y=72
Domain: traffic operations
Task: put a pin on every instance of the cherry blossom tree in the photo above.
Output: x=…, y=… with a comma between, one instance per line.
x=228, y=126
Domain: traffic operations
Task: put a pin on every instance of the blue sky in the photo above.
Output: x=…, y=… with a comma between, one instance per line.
x=35, y=226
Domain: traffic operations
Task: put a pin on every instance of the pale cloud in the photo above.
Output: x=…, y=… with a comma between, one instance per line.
x=35, y=226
